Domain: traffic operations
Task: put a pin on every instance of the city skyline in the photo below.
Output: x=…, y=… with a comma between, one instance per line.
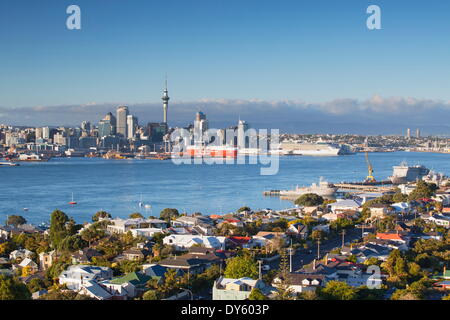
x=315, y=54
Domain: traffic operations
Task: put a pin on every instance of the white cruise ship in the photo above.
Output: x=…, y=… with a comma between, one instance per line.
x=313, y=149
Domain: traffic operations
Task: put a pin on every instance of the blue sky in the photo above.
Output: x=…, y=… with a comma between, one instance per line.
x=309, y=50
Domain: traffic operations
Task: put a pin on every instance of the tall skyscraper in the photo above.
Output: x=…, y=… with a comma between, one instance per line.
x=408, y=133
x=45, y=133
x=418, y=133
x=86, y=126
x=131, y=126
x=107, y=126
x=165, y=99
x=200, y=126
x=122, y=114
x=242, y=141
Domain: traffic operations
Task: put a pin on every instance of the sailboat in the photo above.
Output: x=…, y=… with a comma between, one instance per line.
x=72, y=202
x=141, y=204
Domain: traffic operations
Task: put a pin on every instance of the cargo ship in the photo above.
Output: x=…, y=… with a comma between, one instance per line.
x=404, y=173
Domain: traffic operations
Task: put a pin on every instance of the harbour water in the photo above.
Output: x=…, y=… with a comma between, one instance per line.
x=117, y=186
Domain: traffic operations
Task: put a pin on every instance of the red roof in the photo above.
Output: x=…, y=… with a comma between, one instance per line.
x=232, y=220
x=389, y=236
x=426, y=200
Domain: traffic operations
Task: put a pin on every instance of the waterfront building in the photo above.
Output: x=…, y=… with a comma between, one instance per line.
x=122, y=114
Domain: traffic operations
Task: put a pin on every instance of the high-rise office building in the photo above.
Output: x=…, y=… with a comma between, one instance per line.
x=122, y=114
x=86, y=126
x=418, y=133
x=200, y=127
x=46, y=133
x=242, y=140
x=107, y=126
x=408, y=133
x=132, y=124
x=38, y=133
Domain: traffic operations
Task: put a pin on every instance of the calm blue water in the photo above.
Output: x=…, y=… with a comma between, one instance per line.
x=116, y=185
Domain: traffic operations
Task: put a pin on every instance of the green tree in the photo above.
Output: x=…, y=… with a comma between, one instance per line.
x=241, y=266
x=309, y=199
x=100, y=214
x=15, y=220
x=11, y=289
x=242, y=209
x=151, y=295
x=58, y=229
x=169, y=214
x=423, y=190
x=256, y=294
x=136, y=215
x=337, y=290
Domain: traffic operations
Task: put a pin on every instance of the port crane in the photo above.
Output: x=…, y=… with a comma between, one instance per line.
x=370, y=177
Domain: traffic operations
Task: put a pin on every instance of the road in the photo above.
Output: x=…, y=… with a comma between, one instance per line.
x=301, y=257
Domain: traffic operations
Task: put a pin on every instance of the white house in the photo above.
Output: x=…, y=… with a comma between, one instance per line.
x=78, y=275
x=184, y=241
x=20, y=254
x=344, y=205
x=120, y=226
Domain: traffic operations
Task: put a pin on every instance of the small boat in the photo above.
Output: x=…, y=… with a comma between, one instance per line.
x=25, y=209
x=72, y=202
x=147, y=206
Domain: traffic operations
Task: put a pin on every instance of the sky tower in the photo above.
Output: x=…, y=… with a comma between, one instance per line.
x=165, y=99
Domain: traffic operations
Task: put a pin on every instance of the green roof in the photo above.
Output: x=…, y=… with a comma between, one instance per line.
x=135, y=278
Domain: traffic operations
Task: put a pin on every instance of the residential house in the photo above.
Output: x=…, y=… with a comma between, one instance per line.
x=84, y=256
x=135, y=254
x=236, y=289
x=191, y=221
x=380, y=210
x=440, y=220
x=138, y=226
x=77, y=275
x=301, y=282
x=268, y=238
x=95, y=290
x=182, y=242
x=233, y=242
x=20, y=254
x=46, y=259
x=196, y=261
x=344, y=205
x=299, y=230
x=129, y=286
x=351, y=273
x=28, y=263
x=155, y=271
